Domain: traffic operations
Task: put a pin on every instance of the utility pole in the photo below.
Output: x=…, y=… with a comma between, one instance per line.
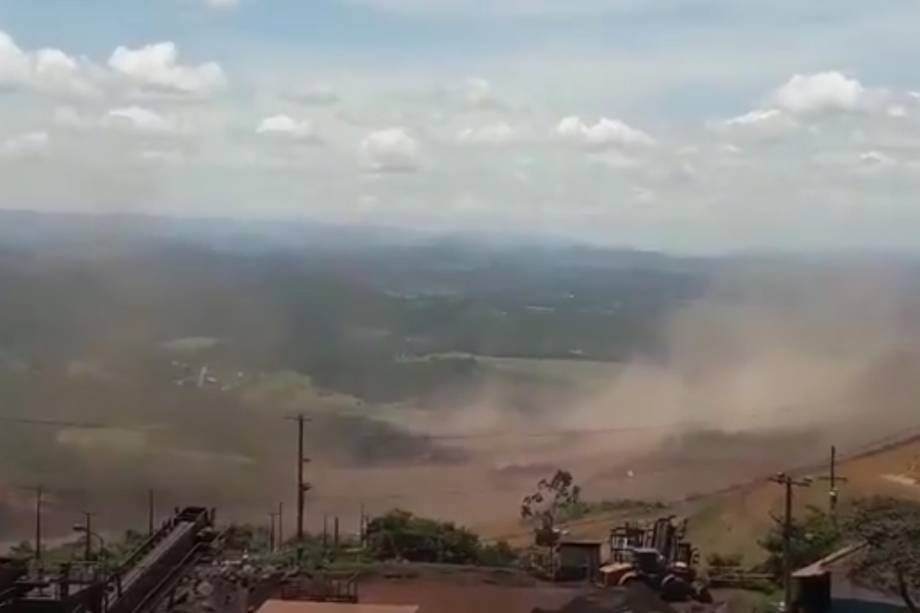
x=38, y=527
x=361, y=527
x=280, y=525
x=302, y=486
x=335, y=534
x=271, y=531
x=832, y=480
x=150, y=513
x=325, y=532
x=788, y=482
x=88, y=533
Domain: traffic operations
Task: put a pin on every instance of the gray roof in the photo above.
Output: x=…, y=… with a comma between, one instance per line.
x=827, y=563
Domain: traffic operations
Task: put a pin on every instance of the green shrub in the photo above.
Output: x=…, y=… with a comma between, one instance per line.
x=401, y=535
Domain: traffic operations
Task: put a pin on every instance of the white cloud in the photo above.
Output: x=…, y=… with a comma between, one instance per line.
x=605, y=133
x=15, y=68
x=318, y=94
x=166, y=157
x=498, y=8
x=141, y=120
x=155, y=67
x=759, y=123
x=390, y=150
x=47, y=70
x=29, y=143
x=221, y=4
x=755, y=117
x=480, y=95
x=69, y=117
x=876, y=158
x=453, y=123
x=489, y=134
x=57, y=72
x=151, y=68
x=643, y=194
x=287, y=127
x=820, y=92
x=897, y=111
x=134, y=119
x=615, y=160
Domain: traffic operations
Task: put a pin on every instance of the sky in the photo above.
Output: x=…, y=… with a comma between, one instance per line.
x=681, y=125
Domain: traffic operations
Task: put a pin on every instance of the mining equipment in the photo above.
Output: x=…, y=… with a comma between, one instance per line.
x=10, y=572
x=138, y=585
x=657, y=556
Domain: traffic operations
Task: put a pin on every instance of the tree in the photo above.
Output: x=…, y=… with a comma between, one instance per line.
x=499, y=554
x=891, y=530
x=810, y=539
x=121, y=550
x=22, y=551
x=400, y=534
x=552, y=497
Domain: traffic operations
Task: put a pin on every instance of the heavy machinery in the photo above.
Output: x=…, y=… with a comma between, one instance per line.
x=10, y=572
x=657, y=556
x=137, y=585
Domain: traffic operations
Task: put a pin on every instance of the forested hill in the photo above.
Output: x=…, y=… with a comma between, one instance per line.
x=352, y=314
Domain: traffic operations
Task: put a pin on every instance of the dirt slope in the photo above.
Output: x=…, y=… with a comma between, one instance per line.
x=733, y=520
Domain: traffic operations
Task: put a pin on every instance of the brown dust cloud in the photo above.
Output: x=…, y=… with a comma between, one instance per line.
x=765, y=370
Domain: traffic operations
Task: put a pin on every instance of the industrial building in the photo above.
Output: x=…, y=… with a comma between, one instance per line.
x=828, y=587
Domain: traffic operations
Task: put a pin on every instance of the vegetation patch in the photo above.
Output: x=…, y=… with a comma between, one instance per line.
x=400, y=535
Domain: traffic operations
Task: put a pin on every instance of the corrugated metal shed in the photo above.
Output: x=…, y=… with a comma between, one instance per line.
x=827, y=585
x=827, y=563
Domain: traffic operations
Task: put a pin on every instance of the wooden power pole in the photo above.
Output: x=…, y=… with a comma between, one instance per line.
x=788, y=482
x=88, y=534
x=833, y=479
x=271, y=531
x=280, y=524
x=38, y=527
x=150, y=513
x=335, y=534
x=302, y=486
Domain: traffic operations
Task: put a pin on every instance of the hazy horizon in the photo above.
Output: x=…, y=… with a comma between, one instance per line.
x=690, y=126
